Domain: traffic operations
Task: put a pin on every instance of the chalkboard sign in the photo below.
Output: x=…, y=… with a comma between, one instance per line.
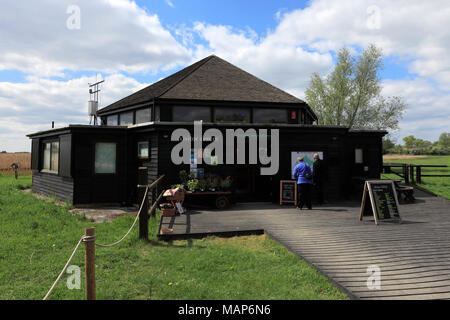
x=288, y=191
x=383, y=200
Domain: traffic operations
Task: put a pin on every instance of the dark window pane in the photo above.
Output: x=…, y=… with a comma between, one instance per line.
x=111, y=120
x=126, y=118
x=232, y=115
x=143, y=115
x=190, y=114
x=143, y=150
x=269, y=116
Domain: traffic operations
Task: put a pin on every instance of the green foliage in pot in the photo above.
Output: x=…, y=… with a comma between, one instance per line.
x=202, y=185
x=193, y=184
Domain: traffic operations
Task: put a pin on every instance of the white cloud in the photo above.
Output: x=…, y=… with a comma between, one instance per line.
x=30, y=107
x=286, y=66
x=113, y=35
x=428, y=112
x=170, y=3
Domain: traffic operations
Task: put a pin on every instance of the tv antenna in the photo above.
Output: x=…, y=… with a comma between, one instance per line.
x=93, y=100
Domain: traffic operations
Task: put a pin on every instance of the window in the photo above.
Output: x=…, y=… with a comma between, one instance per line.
x=126, y=118
x=112, y=120
x=143, y=150
x=232, y=115
x=143, y=115
x=358, y=155
x=105, y=157
x=50, y=162
x=190, y=114
x=270, y=116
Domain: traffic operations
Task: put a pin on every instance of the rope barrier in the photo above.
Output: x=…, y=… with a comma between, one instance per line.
x=64, y=269
x=85, y=238
x=132, y=226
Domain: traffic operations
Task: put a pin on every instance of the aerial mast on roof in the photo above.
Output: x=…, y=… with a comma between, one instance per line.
x=93, y=100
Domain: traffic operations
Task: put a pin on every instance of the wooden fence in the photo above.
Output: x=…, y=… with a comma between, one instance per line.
x=412, y=173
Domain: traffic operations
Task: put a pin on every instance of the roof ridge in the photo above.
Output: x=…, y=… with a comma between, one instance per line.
x=185, y=76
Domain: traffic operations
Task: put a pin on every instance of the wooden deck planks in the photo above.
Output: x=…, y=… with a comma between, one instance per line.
x=414, y=256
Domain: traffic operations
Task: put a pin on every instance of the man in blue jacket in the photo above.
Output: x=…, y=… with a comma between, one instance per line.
x=303, y=174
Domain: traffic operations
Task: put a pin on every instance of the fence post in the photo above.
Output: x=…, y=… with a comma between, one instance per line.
x=411, y=169
x=405, y=173
x=419, y=174
x=143, y=217
x=89, y=263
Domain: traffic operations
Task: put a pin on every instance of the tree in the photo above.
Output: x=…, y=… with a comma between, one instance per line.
x=388, y=145
x=351, y=94
x=444, y=140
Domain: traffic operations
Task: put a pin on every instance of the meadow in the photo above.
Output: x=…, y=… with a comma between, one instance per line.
x=37, y=237
x=437, y=185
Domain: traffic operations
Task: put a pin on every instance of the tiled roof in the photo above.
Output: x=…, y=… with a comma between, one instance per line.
x=209, y=79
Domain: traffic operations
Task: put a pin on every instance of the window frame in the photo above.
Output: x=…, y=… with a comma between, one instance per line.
x=148, y=148
x=49, y=170
x=140, y=109
x=95, y=154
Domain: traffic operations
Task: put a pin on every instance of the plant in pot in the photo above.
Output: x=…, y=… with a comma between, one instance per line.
x=212, y=185
x=202, y=185
x=225, y=184
x=192, y=184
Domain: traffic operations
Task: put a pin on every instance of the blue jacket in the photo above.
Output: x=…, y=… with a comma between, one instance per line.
x=300, y=171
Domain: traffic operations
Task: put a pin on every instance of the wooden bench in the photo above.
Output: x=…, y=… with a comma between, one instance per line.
x=406, y=191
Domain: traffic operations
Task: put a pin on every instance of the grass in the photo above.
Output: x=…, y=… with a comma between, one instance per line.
x=37, y=237
x=439, y=186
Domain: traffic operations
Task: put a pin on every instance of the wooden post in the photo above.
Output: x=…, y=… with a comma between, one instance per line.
x=405, y=173
x=143, y=217
x=419, y=174
x=89, y=263
x=411, y=169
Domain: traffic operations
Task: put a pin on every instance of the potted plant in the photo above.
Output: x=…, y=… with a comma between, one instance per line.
x=225, y=184
x=192, y=184
x=212, y=185
x=202, y=185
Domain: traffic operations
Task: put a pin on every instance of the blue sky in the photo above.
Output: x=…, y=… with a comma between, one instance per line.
x=52, y=49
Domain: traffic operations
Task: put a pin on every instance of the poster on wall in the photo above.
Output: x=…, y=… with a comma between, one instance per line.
x=308, y=157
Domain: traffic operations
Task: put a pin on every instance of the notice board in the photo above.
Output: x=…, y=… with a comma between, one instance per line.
x=380, y=198
x=288, y=191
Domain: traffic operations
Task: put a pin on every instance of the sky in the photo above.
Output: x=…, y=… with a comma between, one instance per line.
x=51, y=49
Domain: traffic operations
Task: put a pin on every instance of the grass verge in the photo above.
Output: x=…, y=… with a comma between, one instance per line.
x=439, y=186
x=38, y=236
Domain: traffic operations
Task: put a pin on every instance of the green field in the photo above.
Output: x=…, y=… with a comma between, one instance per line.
x=37, y=237
x=439, y=186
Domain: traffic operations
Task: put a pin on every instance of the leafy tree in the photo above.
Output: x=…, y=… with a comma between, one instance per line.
x=351, y=94
x=388, y=145
x=444, y=140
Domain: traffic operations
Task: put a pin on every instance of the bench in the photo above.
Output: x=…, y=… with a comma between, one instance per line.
x=406, y=191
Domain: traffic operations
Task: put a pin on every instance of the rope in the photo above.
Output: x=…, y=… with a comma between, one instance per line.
x=64, y=269
x=132, y=226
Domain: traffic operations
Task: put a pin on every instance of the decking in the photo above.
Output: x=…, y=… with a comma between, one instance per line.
x=413, y=257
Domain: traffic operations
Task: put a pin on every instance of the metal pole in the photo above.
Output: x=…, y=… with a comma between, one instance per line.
x=89, y=262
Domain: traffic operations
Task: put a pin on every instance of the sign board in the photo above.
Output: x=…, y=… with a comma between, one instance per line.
x=308, y=157
x=288, y=191
x=380, y=198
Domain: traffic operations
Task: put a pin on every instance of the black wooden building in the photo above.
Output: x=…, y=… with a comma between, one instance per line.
x=88, y=164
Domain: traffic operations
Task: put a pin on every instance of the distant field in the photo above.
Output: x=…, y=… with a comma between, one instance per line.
x=6, y=159
x=440, y=186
